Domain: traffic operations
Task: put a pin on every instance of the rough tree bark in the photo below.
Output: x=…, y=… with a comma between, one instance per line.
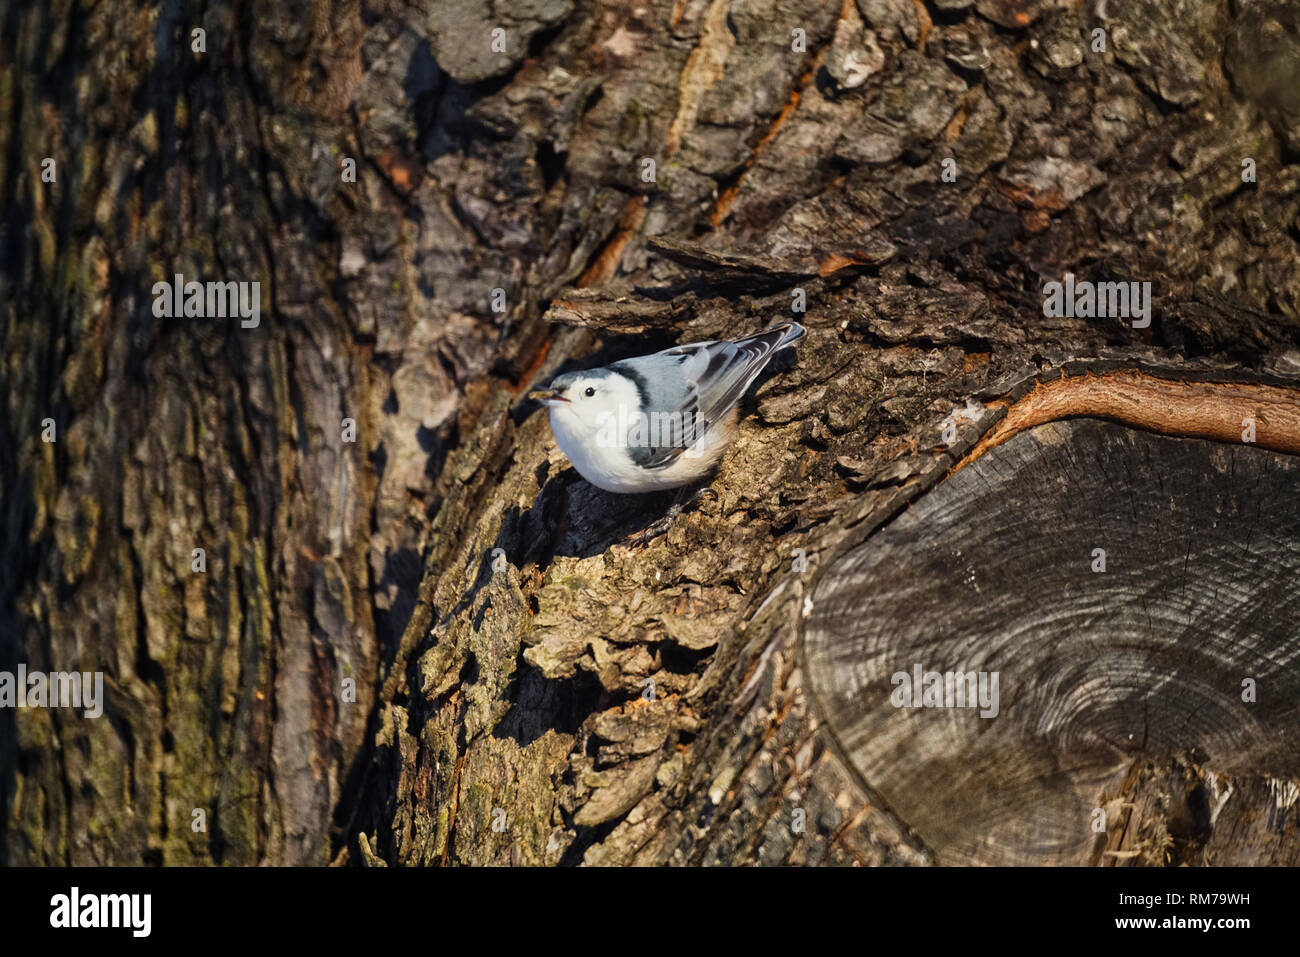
x=518, y=680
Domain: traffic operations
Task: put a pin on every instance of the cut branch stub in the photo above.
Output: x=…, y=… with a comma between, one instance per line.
x=997, y=570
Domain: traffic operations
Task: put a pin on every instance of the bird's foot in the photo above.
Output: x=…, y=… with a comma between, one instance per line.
x=656, y=528
x=704, y=491
x=686, y=497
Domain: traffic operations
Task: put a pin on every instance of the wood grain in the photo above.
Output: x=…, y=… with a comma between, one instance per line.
x=1100, y=672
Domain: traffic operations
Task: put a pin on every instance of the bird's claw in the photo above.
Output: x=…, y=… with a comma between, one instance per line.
x=656, y=528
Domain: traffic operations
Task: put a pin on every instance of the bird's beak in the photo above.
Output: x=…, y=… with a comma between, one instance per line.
x=547, y=396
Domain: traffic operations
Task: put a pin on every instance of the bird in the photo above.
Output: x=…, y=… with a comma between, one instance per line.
x=658, y=421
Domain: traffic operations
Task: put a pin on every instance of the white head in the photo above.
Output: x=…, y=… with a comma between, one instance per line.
x=591, y=403
x=600, y=422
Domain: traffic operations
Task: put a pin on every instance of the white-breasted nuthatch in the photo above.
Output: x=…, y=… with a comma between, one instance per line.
x=658, y=421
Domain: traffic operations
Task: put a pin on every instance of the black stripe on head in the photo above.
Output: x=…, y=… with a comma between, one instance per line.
x=562, y=382
x=636, y=379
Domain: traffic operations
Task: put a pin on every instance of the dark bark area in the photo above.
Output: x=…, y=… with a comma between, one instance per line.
x=513, y=690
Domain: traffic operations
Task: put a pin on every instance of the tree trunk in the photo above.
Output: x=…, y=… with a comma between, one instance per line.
x=414, y=635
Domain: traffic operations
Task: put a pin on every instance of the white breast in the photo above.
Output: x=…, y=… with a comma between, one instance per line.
x=611, y=468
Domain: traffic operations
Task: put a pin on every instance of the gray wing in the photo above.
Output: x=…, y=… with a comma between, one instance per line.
x=692, y=387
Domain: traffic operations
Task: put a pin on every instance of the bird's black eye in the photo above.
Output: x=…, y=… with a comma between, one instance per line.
x=590, y=390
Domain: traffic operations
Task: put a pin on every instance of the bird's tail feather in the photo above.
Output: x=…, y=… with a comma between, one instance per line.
x=793, y=332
